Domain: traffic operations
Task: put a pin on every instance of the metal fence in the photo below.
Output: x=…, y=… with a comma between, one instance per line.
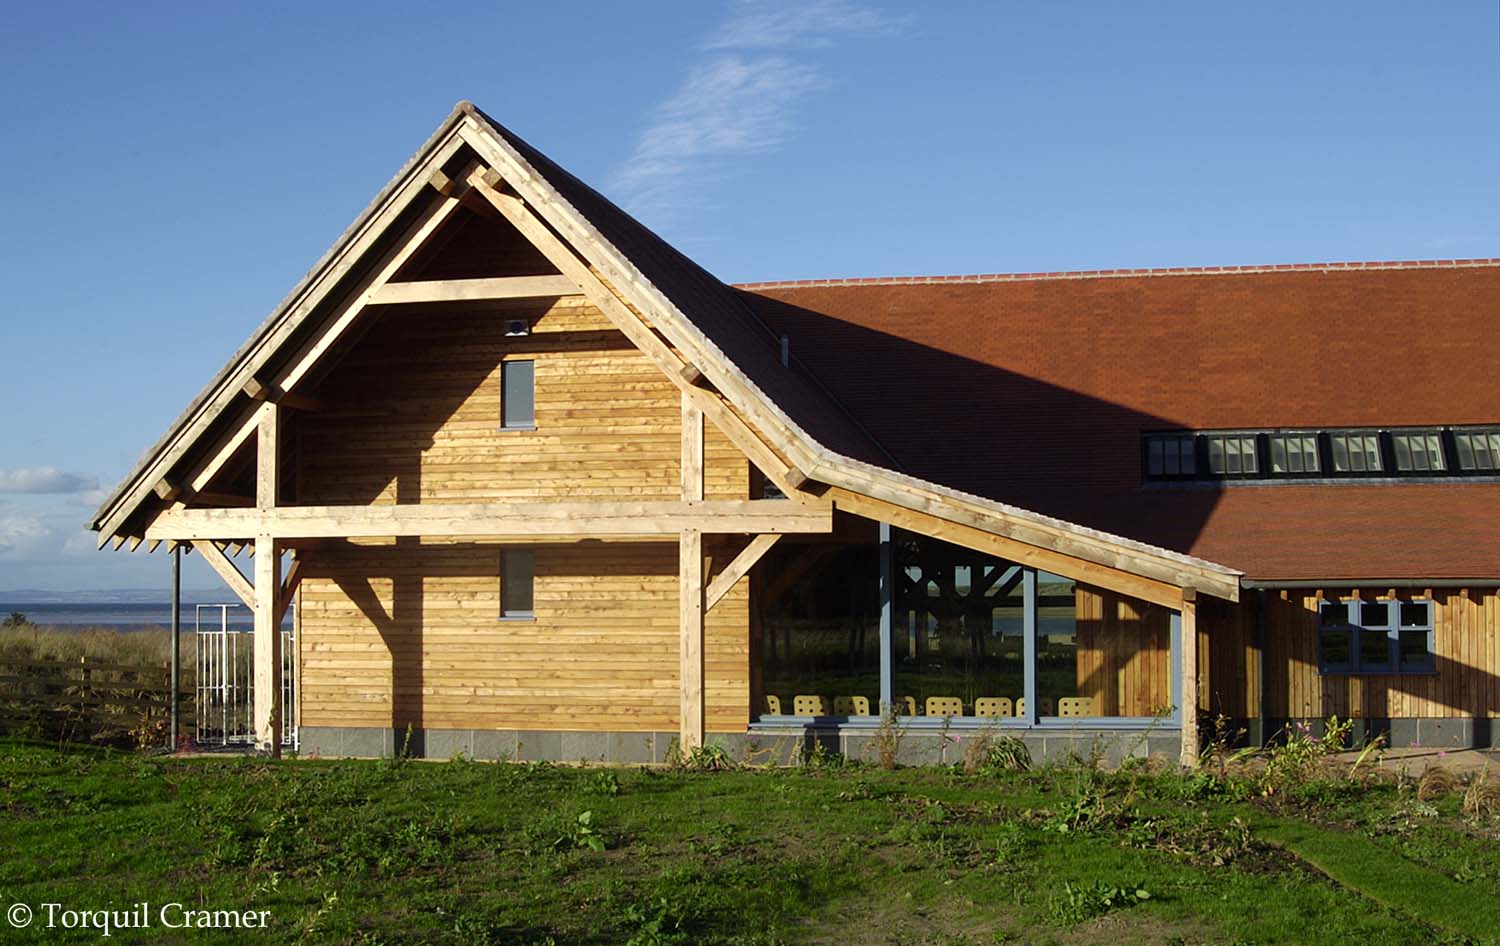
x=225, y=691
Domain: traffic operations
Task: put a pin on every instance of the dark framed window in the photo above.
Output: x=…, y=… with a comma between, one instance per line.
x=1417, y=451
x=517, y=578
x=1355, y=452
x=1171, y=456
x=1376, y=637
x=518, y=395
x=1294, y=453
x=1231, y=455
x=1477, y=450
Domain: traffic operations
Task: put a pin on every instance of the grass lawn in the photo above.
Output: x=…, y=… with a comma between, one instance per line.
x=474, y=853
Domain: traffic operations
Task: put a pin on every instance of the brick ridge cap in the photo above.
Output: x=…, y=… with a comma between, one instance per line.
x=1125, y=273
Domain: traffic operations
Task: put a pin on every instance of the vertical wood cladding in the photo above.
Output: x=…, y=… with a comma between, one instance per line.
x=1465, y=683
x=398, y=632
x=1124, y=654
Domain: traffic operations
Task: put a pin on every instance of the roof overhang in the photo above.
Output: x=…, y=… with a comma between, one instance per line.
x=222, y=400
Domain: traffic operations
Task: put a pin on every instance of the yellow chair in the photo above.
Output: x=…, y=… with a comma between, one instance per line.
x=945, y=706
x=1048, y=707
x=805, y=705
x=995, y=707
x=773, y=705
x=906, y=706
x=851, y=706
x=1075, y=706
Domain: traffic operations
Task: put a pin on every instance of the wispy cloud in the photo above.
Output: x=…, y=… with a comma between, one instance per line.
x=21, y=532
x=812, y=25
x=45, y=479
x=740, y=97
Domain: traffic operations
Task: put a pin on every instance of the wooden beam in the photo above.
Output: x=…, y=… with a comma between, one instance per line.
x=796, y=478
x=258, y=390
x=737, y=568
x=692, y=451
x=1079, y=569
x=500, y=520
x=220, y=563
x=1188, y=698
x=475, y=290
x=690, y=639
x=289, y=585
x=167, y=491
x=267, y=648
x=691, y=374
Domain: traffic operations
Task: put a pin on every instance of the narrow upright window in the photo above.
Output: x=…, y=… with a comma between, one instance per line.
x=517, y=575
x=518, y=395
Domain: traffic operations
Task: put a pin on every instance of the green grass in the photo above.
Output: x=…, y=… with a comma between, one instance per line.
x=474, y=853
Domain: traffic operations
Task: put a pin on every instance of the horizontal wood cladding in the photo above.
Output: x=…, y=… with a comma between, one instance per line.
x=1466, y=682
x=425, y=381
x=409, y=633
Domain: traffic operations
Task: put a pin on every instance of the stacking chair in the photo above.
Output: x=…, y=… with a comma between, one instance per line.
x=805, y=705
x=1046, y=704
x=906, y=706
x=851, y=706
x=945, y=706
x=773, y=705
x=995, y=707
x=1075, y=706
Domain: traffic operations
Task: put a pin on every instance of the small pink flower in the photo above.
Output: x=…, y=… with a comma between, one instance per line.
x=1442, y=754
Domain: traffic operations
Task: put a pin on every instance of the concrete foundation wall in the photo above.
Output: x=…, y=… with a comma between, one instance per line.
x=780, y=746
x=1434, y=732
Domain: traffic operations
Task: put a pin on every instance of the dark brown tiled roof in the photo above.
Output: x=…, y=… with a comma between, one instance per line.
x=1034, y=390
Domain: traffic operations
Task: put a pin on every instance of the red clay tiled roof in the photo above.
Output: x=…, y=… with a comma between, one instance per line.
x=1034, y=389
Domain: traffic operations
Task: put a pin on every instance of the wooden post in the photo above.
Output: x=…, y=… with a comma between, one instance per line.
x=173, y=673
x=690, y=642
x=267, y=647
x=692, y=451
x=690, y=584
x=1189, y=678
x=267, y=589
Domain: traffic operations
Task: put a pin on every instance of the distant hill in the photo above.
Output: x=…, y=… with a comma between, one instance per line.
x=107, y=596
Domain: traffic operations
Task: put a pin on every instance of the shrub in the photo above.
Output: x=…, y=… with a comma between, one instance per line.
x=1435, y=782
x=1482, y=797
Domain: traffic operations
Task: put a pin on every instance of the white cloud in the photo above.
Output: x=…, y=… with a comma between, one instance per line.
x=816, y=24
x=735, y=104
x=22, y=533
x=45, y=479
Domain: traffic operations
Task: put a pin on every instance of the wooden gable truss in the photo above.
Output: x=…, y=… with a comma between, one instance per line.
x=178, y=494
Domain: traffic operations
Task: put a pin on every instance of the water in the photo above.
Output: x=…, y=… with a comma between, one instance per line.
x=127, y=616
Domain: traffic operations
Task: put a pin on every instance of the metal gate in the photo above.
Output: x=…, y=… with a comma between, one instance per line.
x=225, y=688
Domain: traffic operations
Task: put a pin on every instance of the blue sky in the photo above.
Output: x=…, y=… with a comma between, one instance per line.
x=172, y=169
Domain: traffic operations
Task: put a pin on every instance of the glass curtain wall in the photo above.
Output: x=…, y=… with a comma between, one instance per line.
x=958, y=637
x=820, y=630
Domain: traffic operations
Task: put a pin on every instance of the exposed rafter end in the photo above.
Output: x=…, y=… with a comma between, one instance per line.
x=168, y=491
x=258, y=390
x=447, y=186
x=692, y=374
x=796, y=479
